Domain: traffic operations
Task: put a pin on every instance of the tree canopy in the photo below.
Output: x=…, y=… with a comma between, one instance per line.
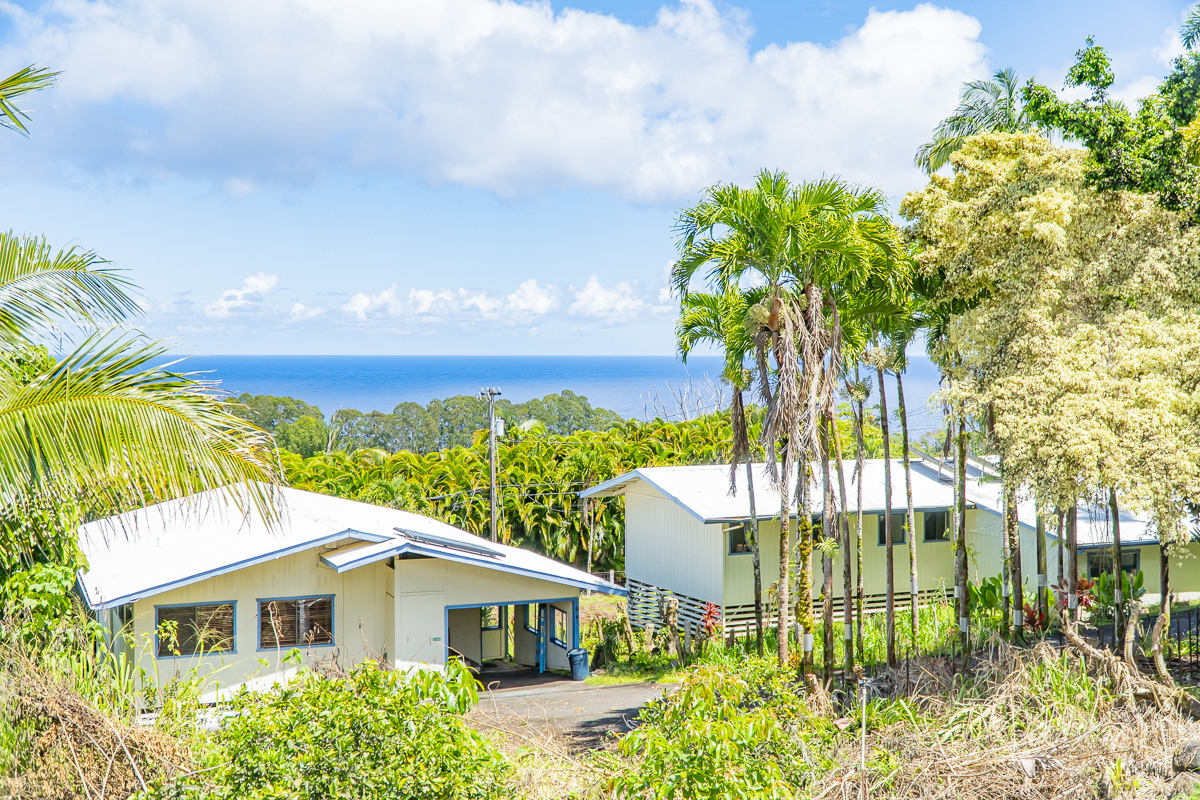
x=1079, y=321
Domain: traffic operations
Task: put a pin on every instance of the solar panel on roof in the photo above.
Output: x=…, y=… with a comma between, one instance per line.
x=452, y=544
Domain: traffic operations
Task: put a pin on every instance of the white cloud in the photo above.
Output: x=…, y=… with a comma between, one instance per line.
x=247, y=299
x=301, y=312
x=511, y=97
x=382, y=304
x=531, y=299
x=619, y=304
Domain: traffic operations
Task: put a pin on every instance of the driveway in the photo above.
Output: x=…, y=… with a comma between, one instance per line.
x=582, y=714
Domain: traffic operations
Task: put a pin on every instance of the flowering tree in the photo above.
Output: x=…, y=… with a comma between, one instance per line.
x=1077, y=324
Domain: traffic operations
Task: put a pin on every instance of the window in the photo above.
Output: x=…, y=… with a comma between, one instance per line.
x=738, y=541
x=188, y=630
x=935, y=526
x=531, y=617
x=558, y=630
x=1101, y=563
x=489, y=618
x=295, y=622
x=898, y=521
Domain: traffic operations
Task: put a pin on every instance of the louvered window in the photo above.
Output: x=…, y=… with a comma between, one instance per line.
x=188, y=630
x=299, y=622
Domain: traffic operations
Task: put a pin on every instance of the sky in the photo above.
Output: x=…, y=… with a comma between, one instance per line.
x=472, y=176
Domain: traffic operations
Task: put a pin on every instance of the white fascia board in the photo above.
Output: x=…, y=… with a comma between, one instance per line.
x=225, y=569
x=463, y=557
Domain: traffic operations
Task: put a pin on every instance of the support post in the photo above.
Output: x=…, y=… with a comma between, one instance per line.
x=490, y=394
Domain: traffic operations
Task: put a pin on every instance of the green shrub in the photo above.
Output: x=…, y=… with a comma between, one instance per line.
x=373, y=734
x=722, y=736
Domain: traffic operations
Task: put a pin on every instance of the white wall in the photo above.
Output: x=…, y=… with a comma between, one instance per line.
x=359, y=617
x=426, y=587
x=466, y=637
x=667, y=547
x=379, y=612
x=935, y=561
x=524, y=641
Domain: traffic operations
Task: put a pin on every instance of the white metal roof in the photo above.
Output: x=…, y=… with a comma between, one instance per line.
x=703, y=491
x=153, y=550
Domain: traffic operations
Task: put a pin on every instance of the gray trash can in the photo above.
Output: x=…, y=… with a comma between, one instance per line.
x=579, y=663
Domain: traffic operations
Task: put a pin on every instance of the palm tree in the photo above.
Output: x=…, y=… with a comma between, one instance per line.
x=1190, y=33
x=721, y=320
x=985, y=106
x=103, y=427
x=807, y=246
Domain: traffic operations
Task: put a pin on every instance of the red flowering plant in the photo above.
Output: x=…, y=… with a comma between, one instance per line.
x=1034, y=618
x=710, y=622
x=1084, y=590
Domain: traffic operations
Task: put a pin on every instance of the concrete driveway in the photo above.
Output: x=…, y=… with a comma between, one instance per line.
x=582, y=714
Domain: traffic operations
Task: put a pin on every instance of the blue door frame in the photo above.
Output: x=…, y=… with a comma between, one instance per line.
x=543, y=626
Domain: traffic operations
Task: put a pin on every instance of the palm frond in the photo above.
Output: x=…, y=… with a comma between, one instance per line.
x=40, y=287
x=105, y=424
x=30, y=79
x=1190, y=33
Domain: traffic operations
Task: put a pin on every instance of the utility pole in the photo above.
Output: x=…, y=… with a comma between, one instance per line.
x=490, y=394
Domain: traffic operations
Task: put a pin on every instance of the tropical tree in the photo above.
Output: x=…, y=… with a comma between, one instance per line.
x=1077, y=311
x=720, y=320
x=809, y=247
x=103, y=427
x=986, y=106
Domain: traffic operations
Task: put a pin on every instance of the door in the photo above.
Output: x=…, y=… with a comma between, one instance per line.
x=421, y=629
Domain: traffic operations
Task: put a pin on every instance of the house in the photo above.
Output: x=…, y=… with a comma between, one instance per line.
x=201, y=582
x=1139, y=552
x=686, y=533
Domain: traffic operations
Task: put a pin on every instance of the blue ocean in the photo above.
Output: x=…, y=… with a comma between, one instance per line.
x=636, y=387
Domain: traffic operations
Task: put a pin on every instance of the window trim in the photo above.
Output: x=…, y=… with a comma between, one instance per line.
x=729, y=551
x=904, y=518
x=945, y=514
x=554, y=612
x=531, y=628
x=279, y=647
x=231, y=651
x=1107, y=554
x=499, y=618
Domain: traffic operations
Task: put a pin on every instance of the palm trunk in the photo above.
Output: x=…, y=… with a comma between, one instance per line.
x=860, y=465
x=804, y=555
x=1005, y=573
x=742, y=430
x=826, y=559
x=1073, y=563
x=1118, y=573
x=1042, y=578
x=1062, y=543
x=890, y=575
x=960, y=533
x=804, y=603
x=847, y=576
x=1164, y=581
x=785, y=576
x=911, y=517
x=1012, y=531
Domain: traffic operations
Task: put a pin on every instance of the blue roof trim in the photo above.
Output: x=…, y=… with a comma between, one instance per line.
x=462, y=557
x=333, y=538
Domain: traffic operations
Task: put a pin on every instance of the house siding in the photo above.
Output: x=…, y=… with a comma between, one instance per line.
x=1185, y=578
x=667, y=547
x=359, y=623
x=426, y=587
